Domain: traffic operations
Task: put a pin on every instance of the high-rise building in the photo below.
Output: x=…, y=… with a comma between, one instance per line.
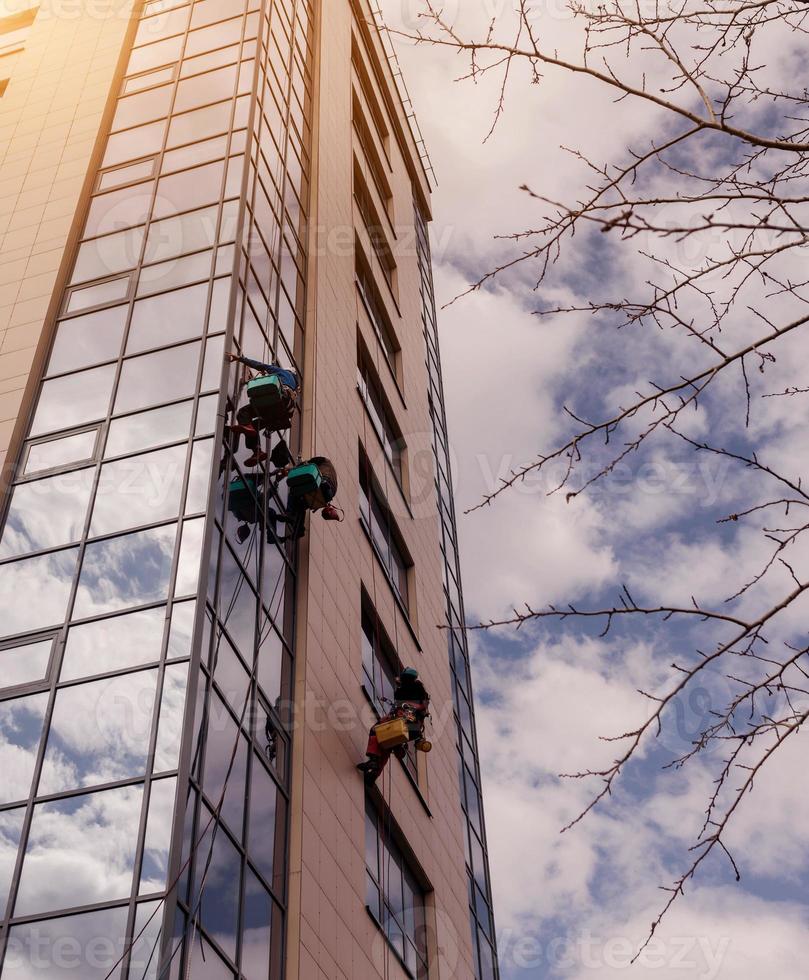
x=185, y=687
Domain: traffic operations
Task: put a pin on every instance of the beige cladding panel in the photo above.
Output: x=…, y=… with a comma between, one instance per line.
x=50, y=117
x=331, y=934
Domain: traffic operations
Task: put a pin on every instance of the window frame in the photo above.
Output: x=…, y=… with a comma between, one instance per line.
x=394, y=849
x=371, y=492
x=376, y=405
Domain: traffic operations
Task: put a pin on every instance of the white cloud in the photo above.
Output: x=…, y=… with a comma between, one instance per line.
x=507, y=374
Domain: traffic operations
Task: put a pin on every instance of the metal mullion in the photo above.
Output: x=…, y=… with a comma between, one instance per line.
x=110, y=675
x=115, y=614
x=68, y=913
x=87, y=790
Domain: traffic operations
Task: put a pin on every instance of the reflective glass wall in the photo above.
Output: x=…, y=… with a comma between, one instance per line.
x=145, y=646
x=477, y=864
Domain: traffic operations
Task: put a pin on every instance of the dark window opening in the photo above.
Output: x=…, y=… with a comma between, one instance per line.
x=385, y=537
x=396, y=899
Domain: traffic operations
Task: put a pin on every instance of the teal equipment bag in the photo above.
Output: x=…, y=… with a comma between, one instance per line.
x=243, y=500
x=304, y=480
x=270, y=401
x=266, y=391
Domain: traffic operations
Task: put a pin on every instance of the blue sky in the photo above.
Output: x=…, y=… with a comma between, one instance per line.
x=579, y=904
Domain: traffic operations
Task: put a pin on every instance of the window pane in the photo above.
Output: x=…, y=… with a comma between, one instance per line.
x=230, y=675
x=48, y=578
x=165, y=376
x=200, y=124
x=86, y=340
x=142, y=108
x=172, y=708
x=206, y=415
x=144, y=959
x=256, y=929
x=206, y=963
x=200, y=477
x=126, y=175
x=149, y=429
x=188, y=156
x=265, y=825
x=80, y=851
x=220, y=910
x=99, y=732
x=118, y=209
x=214, y=358
x=10, y=836
x=153, y=874
x=113, y=644
x=47, y=513
x=134, y=143
x=25, y=664
x=204, y=89
x=154, y=55
x=60, y=452
x=221, y=737
x=102, y=295
x=174, y=273
x=182, y=629
x=164, y=25
x=128, y=571
x=103, y=257
x=161, y=320
x=185, y=233
x=191, y=189
x=208, y=11
x=21, y=724
x=26, y=944
x=73, y=400
x=139, y=490
x=188, y=566
x=205, y=62
x=145, y=81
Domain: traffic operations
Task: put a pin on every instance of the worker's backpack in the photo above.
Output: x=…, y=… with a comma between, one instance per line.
x=271, y=401
x=244, y=500
x=304, y=483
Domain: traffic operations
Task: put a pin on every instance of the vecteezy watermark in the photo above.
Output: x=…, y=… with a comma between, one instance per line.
x=702, y=478
x=703, y=956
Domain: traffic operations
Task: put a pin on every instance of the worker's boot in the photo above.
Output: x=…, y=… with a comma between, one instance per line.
x=369, y=769
x=258, y=456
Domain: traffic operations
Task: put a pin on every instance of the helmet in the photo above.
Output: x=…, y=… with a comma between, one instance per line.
x=409, y=674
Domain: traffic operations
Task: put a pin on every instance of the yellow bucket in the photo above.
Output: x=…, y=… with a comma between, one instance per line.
x=391, y=734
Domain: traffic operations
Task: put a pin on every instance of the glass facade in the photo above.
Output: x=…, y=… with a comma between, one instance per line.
x=146, y=648
x=477, y=864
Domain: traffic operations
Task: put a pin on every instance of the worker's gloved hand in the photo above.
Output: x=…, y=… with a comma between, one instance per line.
x=331, y=513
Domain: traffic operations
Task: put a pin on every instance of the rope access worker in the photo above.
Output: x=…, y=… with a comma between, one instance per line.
x=312, y=486
x=404, y=723
x=272, y=401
